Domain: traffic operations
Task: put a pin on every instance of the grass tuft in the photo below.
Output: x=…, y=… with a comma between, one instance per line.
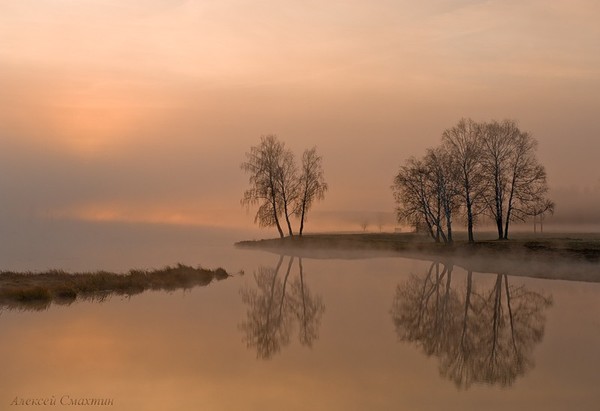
x=37, y=291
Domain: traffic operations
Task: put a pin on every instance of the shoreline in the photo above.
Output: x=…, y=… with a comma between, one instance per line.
x=37, y=291
x=562, y=257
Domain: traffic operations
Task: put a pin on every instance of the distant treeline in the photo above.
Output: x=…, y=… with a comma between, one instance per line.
x=479, y=169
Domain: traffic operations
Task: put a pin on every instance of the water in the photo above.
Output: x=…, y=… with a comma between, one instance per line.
x=376, y=333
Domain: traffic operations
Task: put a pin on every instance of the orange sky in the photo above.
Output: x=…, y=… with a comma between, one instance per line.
x=146, y=108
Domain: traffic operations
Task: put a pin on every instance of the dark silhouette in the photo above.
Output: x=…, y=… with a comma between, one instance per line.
x=479, y=336
x=312, y=184
x=462, y=142
x=516, y=179
x=418, y=201
x=274, y=309
x=264, y=164
x=28, y=291
x=276, y=186
x=489, y=167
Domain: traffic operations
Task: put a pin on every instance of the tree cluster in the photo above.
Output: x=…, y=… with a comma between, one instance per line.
x=479, y=169
x=277, y=185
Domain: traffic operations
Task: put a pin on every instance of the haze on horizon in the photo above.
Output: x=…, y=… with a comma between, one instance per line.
x=142, y=111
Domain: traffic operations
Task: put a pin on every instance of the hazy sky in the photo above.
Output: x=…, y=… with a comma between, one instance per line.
x=143, y=110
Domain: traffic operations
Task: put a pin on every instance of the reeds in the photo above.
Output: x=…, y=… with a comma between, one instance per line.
x=37, y=291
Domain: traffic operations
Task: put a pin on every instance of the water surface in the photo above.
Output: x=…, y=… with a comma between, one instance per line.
x=316, y=334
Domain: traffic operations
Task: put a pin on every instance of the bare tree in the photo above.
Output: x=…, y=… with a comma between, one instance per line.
x=464, y=147
x=288, y=186
x=444, y=186
x=425, y=193
x=312, y=185
x=411, y=191
x=515, y=179
x=271, y=175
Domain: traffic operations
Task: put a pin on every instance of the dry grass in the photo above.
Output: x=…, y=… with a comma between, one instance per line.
x=38, y=290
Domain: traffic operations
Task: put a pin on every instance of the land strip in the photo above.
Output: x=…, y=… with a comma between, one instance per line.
x=565, y=257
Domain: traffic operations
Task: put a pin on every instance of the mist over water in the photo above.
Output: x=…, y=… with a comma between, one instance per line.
x=88, y=246
x=362, y=333
x=122, y=128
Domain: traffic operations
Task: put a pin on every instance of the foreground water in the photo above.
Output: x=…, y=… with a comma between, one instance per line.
x=377, y=333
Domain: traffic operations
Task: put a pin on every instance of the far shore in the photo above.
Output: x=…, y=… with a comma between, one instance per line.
x=573, y=257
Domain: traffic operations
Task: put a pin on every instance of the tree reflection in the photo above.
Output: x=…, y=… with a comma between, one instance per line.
x=274, y=309
x=479, y=335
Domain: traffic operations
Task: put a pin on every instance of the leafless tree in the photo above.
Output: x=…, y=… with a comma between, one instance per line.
x=271, y=176
x=312, y=185
x=412, y=196
x=425, y=192
x=515, y=178
x=463, y=144
x=288, y=186
x=444, y=186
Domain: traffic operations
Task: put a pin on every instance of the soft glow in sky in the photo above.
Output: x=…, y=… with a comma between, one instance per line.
x=129, y=108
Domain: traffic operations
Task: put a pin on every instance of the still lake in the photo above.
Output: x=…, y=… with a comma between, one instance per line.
x=378, y=333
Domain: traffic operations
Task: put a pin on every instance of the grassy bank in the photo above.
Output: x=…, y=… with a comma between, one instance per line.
x=564, y=256
x=37, y=291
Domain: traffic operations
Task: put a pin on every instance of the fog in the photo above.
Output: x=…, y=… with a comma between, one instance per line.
x=111, y=111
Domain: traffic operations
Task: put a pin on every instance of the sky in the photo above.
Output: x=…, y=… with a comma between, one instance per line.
x=141, y=111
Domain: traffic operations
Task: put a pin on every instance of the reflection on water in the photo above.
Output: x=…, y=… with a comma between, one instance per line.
x=198, y=348
x=479, y=333
x=275, y=309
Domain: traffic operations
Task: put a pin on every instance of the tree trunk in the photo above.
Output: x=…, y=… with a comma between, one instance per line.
x=499, y=226
x=506, y=230
x=287, y=219
x=448, y=212
x=302, y=217
x=469, y=204
x=509, y=206
x=470, y=219
x=274, y=204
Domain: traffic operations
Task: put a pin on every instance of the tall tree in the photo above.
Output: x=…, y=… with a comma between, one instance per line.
x=516, y=181
x=288, y=186
x=463, y=144
x=413, y=195
x=266, y=164
x=312, y=185
x=444, y=185
x=425, y=191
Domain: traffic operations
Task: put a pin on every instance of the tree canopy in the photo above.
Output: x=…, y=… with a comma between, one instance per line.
x=279, y=189
x=479, y=169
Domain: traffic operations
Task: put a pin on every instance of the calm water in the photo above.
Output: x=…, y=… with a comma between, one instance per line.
x=313, y=334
